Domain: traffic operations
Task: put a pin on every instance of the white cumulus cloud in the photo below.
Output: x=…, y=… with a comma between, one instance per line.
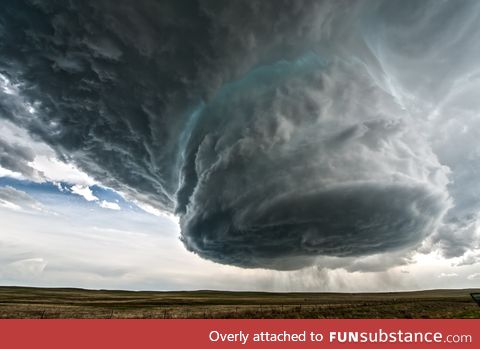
x=110, y=205
x=83, y=191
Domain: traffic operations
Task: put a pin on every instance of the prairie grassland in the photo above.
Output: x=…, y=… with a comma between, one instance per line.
x=24, y=302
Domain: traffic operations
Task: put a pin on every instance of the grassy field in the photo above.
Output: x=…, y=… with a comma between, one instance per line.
x=24, y=302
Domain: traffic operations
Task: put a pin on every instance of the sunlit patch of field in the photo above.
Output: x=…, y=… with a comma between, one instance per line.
x=24, y=302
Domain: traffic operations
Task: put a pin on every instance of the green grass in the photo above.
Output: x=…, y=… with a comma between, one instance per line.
x=25, y=302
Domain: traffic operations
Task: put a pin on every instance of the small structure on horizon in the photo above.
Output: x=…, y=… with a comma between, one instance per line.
x=476, y=297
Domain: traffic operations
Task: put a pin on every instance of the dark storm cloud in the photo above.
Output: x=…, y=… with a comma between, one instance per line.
x=458, y=236
x=15, y=157
x=320, y=176
x=117, y=81
x=266, y=126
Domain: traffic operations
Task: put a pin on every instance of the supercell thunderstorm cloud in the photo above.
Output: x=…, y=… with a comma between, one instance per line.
x=277, y=131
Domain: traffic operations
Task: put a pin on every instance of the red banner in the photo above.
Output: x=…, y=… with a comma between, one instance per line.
x=197, y=334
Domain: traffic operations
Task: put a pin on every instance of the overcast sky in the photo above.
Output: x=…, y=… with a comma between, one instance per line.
x=243, y=145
